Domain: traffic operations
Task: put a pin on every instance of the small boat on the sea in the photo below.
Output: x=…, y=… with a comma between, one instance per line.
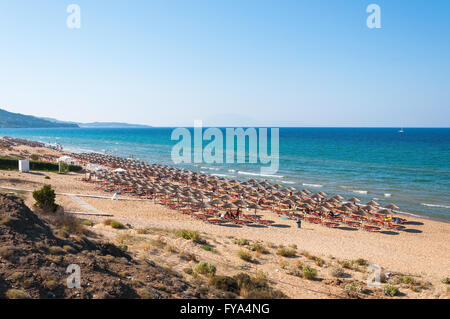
x=401, y=130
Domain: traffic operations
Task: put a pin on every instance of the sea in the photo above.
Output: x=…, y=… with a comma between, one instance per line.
x=409, y=168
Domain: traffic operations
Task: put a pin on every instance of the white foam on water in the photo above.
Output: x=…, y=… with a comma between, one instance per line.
x=359, y=191
x=312, y=185
x=232, y=170
x=435, y=205
x=288, y=182
x=258, y=174
x=387, y=195
x=221, y=175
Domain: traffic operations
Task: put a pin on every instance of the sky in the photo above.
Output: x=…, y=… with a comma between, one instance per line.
x=228, y=63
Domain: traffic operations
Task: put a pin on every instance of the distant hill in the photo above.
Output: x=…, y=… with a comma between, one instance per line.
x=111, y=125
x=100, y=124
x=17, y=120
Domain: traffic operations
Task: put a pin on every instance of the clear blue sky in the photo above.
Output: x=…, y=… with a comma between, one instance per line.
x=295, y=63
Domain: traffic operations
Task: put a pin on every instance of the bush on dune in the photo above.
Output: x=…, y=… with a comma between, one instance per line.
x=45, y=198
x=205, y=268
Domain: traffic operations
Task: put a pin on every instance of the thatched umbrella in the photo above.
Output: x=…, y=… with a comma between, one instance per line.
x=391, y=206
x=328, y=205
x=323, y=210
x=310, y=201
x=240, y=203
x=383, y=211
x=254, y=206
x=229, y=206
x=372, y=203
x=226, y=197
x=216, y=202
x=272, y=198
x=354, y=200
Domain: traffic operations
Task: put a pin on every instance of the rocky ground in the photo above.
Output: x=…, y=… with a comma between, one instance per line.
x=37, y=248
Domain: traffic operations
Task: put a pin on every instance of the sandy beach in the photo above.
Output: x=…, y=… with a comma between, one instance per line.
x=420, y=250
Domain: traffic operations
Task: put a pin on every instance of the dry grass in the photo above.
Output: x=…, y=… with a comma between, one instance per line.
x=245, y=255
x=17, y=294
x=287, y=252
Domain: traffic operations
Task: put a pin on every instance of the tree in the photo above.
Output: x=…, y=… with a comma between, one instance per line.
x=45, y=198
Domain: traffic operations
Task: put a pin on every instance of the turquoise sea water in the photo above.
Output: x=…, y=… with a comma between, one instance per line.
x=410, y=169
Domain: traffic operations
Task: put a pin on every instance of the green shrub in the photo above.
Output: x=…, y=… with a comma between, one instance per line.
x=337, y=272
x=63, y=167
x=360, y=261
x=45, y=198
x=390, y=290
x=445, y=280
x=88, y=223
x=353, y=287
x=346, y=264
x=258, y=248
x=318, y=261
x=286, y=252
x=205, y=268
x=241, y=241
x=207, y=248
x=34, y=157
x=407, y=280
x=225, y=283
x=191, y=235
x=116, y=225
x=9, y=163
x=309, y=273
x=245, y=255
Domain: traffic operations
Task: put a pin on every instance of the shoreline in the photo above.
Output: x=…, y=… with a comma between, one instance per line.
x=76, y=150
x=419, y=250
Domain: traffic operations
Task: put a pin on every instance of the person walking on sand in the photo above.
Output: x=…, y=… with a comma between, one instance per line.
x=299, y=222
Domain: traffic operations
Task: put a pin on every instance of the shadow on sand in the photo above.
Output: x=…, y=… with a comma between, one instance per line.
x=413, y=223
x=388, y=232
x=280, y=226
x=257, y=226
x=412, y=231
x=346, y=228
x=231, y=225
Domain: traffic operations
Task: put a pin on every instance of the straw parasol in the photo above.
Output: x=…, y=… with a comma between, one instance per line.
x=391, y=206
x=372, y=203
x=354, y=200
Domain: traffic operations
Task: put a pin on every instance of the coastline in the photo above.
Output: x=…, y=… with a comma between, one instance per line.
x=420, y=250
x=247, y=175
x=421, y=253
x=387, y=163
x=244, y=176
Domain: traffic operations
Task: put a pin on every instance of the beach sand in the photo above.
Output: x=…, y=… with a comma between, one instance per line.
x=421, y=250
